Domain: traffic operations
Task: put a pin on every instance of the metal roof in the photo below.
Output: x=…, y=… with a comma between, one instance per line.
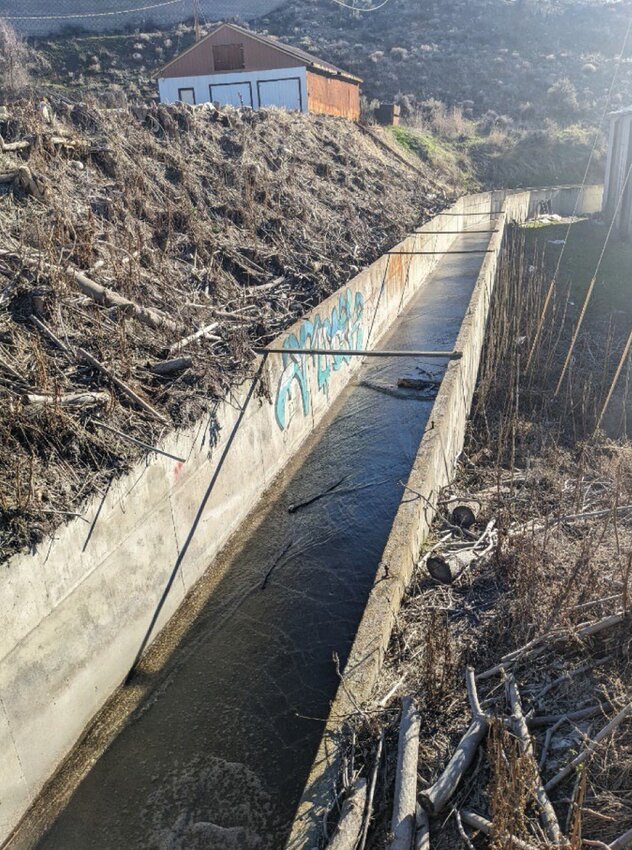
x=311, y=61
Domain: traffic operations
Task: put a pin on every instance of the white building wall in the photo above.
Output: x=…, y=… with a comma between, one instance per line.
x=284, y=87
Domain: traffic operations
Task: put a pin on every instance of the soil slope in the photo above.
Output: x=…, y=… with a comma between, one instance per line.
x=241, y=221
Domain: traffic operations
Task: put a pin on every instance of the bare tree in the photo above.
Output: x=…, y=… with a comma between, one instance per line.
x=14, y=60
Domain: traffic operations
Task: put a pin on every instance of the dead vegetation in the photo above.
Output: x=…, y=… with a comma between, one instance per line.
x=516, y=654
x=144, y=253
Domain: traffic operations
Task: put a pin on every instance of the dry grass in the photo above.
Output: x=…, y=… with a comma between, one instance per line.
x=557, y=553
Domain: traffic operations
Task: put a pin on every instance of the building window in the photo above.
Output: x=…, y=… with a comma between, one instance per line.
x=228, y=57
x=187, y=96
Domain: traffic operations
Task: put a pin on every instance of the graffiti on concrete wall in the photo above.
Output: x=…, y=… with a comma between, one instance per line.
x=341, y=329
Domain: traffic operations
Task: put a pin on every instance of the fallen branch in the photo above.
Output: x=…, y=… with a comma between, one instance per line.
x=486, y=826
x=607, y=730
x=537, y=644
x=292, y=509
x=166, y=367
x=84, y=399
x=138, y=442
x=203, y=332
x=350, y=823
x=580, y=714
x=127, y=391
x=21, y=145
x=422, y=835
x=472, y=693
x=43, y=327
x=405, y=802
x=108, y=298
x=436, y=797
x=369, y=802
x=547, y=812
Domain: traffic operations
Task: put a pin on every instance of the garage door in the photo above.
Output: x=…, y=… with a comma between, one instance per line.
x=234, y=94
x=284, y=93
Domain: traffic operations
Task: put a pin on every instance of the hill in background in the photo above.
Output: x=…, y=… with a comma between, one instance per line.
x=495, y=93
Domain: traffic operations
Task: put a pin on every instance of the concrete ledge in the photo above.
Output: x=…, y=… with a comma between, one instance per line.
x=75, y=612
x=433, y=468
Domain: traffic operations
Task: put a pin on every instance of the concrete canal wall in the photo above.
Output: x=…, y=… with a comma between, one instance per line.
x=76, y=611
x=433, y=468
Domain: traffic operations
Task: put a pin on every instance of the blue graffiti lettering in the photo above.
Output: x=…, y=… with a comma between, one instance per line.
x=341, y=330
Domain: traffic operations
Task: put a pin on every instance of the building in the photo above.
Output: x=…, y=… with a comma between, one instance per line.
x=387, y=114
x=232, y=65
x=617, y=201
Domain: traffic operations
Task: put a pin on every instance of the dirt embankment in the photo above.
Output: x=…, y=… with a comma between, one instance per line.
x=124, y=233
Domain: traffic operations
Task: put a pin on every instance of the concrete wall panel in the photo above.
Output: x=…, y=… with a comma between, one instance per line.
x=432, y=469
x=75, y=612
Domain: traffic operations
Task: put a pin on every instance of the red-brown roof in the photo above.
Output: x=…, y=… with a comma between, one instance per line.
x=312, y=62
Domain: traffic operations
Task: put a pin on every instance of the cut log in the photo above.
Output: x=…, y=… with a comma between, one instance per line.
x=486, y=826
x=127, y=391
x=435, y=798
x=605, y=732
x=350, y=823
x=102, y=295
x=405, y=802
x=166, y=367
x=448, y=568
x=440, y=569
x=547, y=812
x=85, y=399
x=463, y=516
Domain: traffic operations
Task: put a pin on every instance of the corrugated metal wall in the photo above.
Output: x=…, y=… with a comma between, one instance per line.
x=333, y=96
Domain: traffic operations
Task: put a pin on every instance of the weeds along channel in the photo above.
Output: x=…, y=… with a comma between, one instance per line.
x=516, y=655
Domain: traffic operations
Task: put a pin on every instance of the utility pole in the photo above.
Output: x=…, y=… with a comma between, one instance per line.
x=196, y=20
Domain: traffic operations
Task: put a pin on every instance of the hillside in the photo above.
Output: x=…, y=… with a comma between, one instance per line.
x=528, y=60
x=236, y=222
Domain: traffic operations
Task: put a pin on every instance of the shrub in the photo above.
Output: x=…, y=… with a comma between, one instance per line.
x=398, y=54
x=14, y=61
x=562, y=98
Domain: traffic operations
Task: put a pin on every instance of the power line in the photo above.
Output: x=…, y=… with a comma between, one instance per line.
x=91, y=14
x=359, y=8
x=558, y=266
x=592, y=284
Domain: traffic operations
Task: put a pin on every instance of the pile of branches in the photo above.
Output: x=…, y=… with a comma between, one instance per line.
x=144, y=253
x=513, y=642
x=513, y=648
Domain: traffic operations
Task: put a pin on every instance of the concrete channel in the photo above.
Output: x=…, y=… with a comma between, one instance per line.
x=230, y=716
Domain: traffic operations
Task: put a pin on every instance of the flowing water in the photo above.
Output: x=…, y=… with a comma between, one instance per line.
x=219, y=754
